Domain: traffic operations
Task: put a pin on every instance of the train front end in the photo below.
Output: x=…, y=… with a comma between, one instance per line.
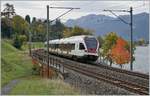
x=91, y=48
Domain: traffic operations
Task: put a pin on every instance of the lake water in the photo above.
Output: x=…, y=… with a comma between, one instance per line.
x=141, y=63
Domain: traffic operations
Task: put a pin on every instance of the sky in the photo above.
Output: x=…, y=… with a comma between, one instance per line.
x=38, y=8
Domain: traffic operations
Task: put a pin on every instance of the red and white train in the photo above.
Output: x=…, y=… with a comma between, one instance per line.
x=83, y=47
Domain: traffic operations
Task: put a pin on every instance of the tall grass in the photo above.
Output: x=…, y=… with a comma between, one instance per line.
x=38, y=86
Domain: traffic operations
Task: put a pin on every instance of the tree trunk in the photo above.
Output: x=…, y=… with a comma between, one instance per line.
x=121, y=66
x=110, y=62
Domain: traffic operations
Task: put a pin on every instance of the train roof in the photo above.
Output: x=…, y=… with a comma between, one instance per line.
x=72, y=39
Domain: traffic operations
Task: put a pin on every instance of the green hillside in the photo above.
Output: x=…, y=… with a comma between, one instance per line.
x=14, y=63
x=17, y=64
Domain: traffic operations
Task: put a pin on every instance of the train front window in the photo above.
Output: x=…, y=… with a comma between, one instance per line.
x=91, y=42
x=81, y=46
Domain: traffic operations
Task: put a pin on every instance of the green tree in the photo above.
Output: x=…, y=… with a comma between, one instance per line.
x=67, y=32
x=141, y=41
x=109, y=41
x=57, y=30
x=17, y=42
x=77, y=31
x=20, y=26
x=100, y=40
x=33, y=19
x=27, y=18
x=38, y=29
x=6, y=20
x=80, y=31
x=23, y=39
x=6, y=26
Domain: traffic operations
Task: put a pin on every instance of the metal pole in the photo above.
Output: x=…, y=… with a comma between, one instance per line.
x=131, y=25
x=48, y=41
x=131, y=28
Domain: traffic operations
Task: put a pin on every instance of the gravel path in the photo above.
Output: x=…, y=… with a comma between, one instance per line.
x=7, y=88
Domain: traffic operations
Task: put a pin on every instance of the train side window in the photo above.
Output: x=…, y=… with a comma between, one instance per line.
x=81, y=46
x=72, y=46
x=56, y=46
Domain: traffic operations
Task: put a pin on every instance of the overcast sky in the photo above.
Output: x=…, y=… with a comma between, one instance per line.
x=38, y=8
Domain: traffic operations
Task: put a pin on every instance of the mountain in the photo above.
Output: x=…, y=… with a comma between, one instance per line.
x=103, y=24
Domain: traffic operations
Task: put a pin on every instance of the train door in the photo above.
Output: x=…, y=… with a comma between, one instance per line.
x=81, y=49
x=74, y=52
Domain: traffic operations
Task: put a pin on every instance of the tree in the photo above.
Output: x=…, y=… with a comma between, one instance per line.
x=27, y=18
x=109, y=41
x=6, y=26
x=23, y=39
x=20, y=26
x=100, y=40
x=67, y=32
x=80, y=31
x=7, y=15
x=77, y=31
x=17, y=42
x=8, y=11
x=38, y=30
x=57, y=30
x=119, y=53
x=141, y=42
x=33, y=19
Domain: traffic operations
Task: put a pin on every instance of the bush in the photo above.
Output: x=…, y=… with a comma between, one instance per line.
x=22, y=38
x=35, y=70
x=17, y=43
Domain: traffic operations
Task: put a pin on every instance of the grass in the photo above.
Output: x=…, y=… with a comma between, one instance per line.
x=38, y=86
x=33, y=45
x=14, y=63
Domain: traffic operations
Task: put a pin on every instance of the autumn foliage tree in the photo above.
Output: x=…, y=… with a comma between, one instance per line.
x=119, y=53
x=109, y=41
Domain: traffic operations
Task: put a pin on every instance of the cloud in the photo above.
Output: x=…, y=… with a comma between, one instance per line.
x=38, y=8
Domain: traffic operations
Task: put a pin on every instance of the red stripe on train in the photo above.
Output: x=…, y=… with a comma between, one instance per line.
x=91, y=50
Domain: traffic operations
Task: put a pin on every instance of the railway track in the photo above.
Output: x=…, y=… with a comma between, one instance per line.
x=141, y=75
x=127, y=76
x=118, y=82
x=85, y=69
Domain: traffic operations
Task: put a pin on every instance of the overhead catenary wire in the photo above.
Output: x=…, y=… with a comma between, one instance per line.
x=70, y=9
x=105, y=21
x=101, y=9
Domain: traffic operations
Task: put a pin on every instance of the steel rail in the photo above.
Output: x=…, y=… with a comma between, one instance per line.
x=120, y=83
x=141, y=75
x=144, y=76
